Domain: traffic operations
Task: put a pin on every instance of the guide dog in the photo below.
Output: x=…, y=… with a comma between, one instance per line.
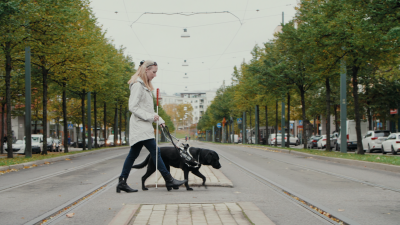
x=170, y=156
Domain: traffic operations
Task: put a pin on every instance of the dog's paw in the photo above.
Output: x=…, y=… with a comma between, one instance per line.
x=145, y=189
x=176, y=187
x=189, y=189
x=169, y=188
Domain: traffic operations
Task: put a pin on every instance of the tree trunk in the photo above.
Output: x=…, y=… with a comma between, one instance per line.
x=288, y=119
x=336, y=119
x=105, y=121
x=83, y=120
x=44, y=119
x=303, y=112
x=8, y=98
x=65, y=122
x=276, y=123
x=369, y=115
x=266, y=125
x=2, y=129
x=328, y=115
x=37, y=116
x=251, y=133
x=360, y=149
x=115, y=125
x=95, y=120
x=120, y=124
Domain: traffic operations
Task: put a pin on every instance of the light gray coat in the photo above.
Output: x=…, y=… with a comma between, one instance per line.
x=142, y=107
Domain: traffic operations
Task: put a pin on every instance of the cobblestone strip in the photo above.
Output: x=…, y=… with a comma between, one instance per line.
x=144, y=215
x=237, y=214
x=211, y=215
x=171, y=215
x=198, y=217
x=184, y=214
x=224, y=214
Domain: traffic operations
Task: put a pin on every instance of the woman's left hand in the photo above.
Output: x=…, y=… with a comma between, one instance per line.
x=162, y=125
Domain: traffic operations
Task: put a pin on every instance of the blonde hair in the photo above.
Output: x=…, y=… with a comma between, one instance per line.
x=141, y=72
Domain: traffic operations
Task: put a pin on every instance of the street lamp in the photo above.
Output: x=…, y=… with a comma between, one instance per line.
x=185, y=34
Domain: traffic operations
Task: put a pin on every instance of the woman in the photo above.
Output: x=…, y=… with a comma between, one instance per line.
x=141, y=131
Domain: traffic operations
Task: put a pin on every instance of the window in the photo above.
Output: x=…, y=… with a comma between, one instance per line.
x=382, y=133
x=195, y=107
x=201, y=106
x=195, y=101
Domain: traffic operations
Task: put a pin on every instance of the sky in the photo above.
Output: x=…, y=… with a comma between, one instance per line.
x=222, y=35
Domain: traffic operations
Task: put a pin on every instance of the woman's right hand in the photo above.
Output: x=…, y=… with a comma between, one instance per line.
x=156, y=118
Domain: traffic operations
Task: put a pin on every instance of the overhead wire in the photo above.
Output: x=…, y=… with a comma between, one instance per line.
x=134, y=31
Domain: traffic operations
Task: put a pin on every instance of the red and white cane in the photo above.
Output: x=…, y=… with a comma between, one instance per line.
x=158, y=94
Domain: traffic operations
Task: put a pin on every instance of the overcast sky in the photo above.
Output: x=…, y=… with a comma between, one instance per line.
x=218, y=41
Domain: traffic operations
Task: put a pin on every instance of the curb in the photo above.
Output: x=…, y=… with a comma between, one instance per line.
x=55, y=159
x=125, y=215
x=350, y=162
x=255, y=214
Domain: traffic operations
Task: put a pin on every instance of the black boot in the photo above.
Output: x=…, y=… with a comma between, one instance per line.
x=171, y=182
x=122, y=185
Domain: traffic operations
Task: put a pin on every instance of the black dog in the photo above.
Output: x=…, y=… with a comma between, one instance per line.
x=170, y=156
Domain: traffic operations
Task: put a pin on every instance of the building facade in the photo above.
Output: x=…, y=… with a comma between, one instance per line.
x=200, y=101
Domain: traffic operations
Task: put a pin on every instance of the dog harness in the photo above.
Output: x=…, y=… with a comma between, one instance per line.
x=183, y=152
x=189, y=159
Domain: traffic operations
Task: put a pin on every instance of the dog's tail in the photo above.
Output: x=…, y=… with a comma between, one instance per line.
x=142, y=164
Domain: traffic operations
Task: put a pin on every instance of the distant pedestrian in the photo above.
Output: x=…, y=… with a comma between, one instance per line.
x=5, y=139
x=69, y=141
x=141, y=131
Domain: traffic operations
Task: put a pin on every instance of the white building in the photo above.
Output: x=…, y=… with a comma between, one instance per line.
x=200, y=101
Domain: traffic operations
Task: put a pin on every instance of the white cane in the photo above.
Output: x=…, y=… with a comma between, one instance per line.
x=158, y=93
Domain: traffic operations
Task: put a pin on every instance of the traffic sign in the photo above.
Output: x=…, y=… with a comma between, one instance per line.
x=70, y=126
x=239, y=120
x=291, y=126
x=219, y=125
x=301, y=122
x=81, y=129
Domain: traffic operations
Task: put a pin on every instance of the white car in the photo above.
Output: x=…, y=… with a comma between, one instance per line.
x=373, y=140
x=391, y=144
x=19, y=147
x=293, y=140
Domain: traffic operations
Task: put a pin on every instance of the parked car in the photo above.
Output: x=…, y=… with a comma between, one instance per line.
x=19, y=147
x=101, y=142
x=391, y=144
x=293, y=140
x=50, y=146
x=312, y=142
x=351, y=134
x=373, y=140
x=322, y=141
x=334, y=138
x=80, y=143
x=57, y=146
x=110, y=140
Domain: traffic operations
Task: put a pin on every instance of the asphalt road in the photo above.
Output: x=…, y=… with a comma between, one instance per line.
x=362, y=203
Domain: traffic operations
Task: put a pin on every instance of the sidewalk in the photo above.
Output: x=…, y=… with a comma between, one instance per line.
x=213, y=176
x=31, y=164
x=242, y=213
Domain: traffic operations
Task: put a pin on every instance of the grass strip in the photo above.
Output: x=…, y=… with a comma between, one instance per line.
x=18, y=159
x=385, y=159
